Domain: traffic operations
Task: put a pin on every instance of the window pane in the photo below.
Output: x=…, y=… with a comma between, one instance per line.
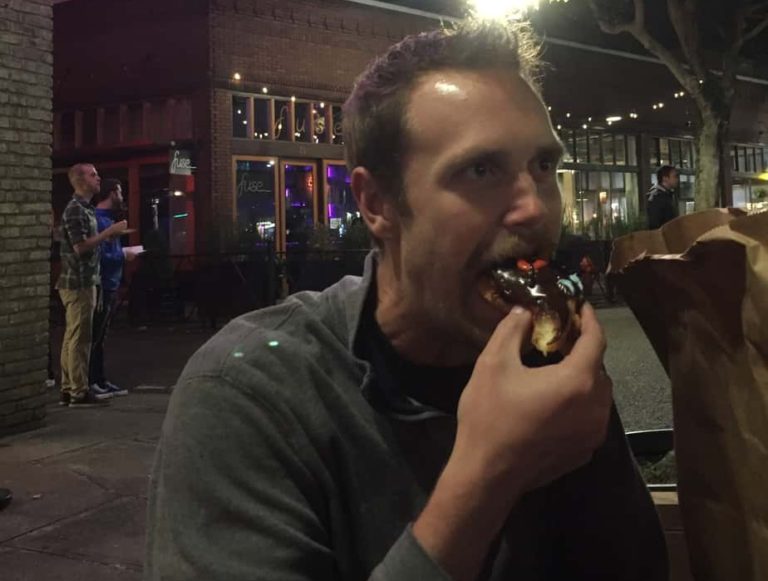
x=300, y=194
x=674, y=152
x=581, y=147
x=303, y=121
x=758, y=196
x=338, y=128
x=566, y=136
x=255, y=194
x=685, y=190
x=321, y=131
x=239, y=117
x=608, y=147
x=740, y=194
x=685, y=154
x=571, y=215
x=631, y=150
x=742, y=159
x=261, y=120
x=620, y=149
x=663, y=151
x=594, y=148
x=282, y=113
x=342, y=208
x=750, y=167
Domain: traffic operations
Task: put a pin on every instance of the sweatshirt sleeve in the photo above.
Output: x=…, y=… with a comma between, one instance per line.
x=232, y=500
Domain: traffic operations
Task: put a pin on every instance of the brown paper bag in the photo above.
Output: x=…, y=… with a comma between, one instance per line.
x=699, y=288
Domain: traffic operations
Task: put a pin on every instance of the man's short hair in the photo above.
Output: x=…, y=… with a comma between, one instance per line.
x=375, y=127
x=108, y=186
x=76, y=173
x=664, y=172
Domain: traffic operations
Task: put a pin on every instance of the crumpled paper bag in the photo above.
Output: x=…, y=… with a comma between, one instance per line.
x=699, y=288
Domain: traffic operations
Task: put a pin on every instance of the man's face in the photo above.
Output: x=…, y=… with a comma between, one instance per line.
x=673, y=180
x=91, y=182
x=481, y=187
x=117, y=196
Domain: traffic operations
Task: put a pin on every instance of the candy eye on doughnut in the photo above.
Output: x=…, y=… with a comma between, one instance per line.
x=554, y=301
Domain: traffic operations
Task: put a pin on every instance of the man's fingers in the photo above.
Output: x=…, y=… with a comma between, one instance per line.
x=509, y=336
x=589, y=348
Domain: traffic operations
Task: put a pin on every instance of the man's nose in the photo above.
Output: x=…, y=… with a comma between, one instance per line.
x=525, y=204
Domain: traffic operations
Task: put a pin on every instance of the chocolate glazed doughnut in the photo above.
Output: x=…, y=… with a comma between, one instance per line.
x=554, y=301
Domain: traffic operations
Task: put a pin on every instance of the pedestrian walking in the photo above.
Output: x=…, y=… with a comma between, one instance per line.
x=662, y=204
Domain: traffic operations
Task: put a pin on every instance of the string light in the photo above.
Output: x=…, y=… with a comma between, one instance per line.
x=264, y=90
x=237, y=76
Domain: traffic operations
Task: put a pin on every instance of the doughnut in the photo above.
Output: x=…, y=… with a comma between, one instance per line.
x=554, y=301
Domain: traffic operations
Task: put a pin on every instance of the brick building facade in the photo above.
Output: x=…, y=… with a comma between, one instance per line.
x=26, y=67
x=249, y=93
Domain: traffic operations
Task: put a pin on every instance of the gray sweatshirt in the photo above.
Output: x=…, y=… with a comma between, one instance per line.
x=275, y=464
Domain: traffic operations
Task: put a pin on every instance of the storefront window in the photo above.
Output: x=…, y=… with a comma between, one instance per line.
x=342, y=207
x=240, y=116
x=255, y=194
x=599, y=205
x=299, y=204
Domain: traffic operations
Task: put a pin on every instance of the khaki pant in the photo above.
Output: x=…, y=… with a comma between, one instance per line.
x=79, y=305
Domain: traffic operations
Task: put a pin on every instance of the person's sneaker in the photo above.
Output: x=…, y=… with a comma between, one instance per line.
x=64, y=398
x=99, y=392
x=89, y=400
x=110, y=387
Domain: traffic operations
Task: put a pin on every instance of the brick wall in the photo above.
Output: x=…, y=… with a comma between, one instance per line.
x=310, y=48
x=316, y=46
x=25, y=210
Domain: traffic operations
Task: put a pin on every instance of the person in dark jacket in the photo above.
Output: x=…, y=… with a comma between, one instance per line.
x=662, y=204
x=396, y=427
x=112, y=258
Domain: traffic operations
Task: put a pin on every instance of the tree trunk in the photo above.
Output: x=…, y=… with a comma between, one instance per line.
x=709, y=189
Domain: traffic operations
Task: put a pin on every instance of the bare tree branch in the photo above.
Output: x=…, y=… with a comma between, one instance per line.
x=683, y=14
x=757, y=7
x=636, y=28
x=760, y=27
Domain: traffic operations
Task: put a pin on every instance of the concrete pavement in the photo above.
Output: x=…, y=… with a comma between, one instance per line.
x=80, y=482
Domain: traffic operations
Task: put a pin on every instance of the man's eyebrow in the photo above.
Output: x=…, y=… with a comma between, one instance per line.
x=554, y=149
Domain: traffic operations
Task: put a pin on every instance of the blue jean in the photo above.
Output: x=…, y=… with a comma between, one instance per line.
x=101, y=321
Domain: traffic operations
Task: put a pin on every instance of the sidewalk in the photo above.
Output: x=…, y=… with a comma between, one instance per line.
x=80, y=483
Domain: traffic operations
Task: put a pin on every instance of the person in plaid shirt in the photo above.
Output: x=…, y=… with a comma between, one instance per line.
x=78, y=282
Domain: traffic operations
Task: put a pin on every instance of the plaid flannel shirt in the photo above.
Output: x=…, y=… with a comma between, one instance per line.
x=78, y=223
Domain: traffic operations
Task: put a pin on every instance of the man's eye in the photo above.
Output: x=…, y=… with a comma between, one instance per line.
x=546, y=166
x=479, y=171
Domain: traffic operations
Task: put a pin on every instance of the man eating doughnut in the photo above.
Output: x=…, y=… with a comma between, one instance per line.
x=391, y=427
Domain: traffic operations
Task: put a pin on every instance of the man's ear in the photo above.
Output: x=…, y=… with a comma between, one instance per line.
x=377, y=208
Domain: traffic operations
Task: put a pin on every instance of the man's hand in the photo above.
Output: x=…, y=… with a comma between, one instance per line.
x=115, y=229
x=530, y=426
x=518, y=429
